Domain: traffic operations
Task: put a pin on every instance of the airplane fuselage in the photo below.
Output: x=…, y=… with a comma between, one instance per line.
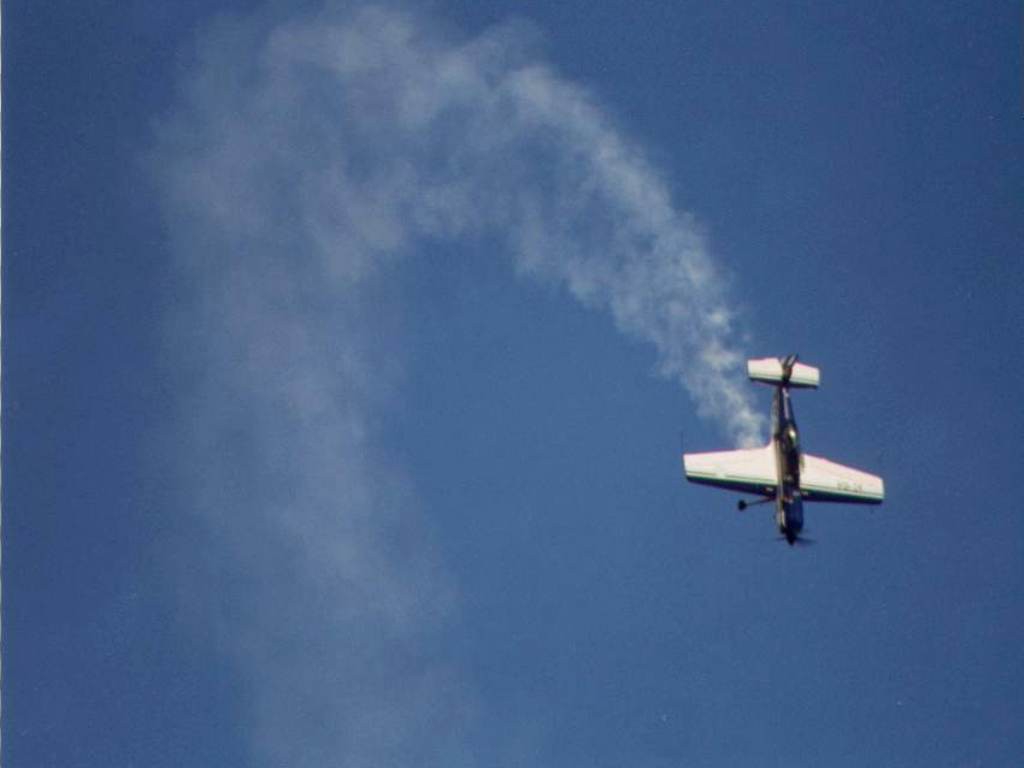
x=789, y=506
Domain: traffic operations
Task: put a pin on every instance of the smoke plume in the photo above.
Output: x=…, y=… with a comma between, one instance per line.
x=306, y=159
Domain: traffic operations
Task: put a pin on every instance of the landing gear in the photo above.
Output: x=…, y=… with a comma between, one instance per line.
x=741, y=505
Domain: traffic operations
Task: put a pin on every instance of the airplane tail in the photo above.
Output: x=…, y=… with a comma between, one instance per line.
x=787, y=371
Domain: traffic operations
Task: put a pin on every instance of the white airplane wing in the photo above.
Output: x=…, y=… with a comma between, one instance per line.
x=824, y=480
x=749, y=471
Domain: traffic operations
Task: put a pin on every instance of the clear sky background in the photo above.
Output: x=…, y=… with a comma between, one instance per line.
x=347, y=351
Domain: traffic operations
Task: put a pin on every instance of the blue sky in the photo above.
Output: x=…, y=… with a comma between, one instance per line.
x=348, y=347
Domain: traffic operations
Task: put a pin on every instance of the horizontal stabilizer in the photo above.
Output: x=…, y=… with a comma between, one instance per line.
x=771, y=371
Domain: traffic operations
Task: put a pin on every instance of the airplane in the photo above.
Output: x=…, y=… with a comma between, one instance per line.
x=780, y=472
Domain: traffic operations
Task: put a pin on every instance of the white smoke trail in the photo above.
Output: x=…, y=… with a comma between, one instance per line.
x=307, y=158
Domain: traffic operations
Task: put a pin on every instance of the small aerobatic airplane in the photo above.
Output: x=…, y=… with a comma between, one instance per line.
x=780, y=471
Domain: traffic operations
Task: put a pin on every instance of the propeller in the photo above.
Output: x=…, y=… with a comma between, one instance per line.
x=802, y=541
